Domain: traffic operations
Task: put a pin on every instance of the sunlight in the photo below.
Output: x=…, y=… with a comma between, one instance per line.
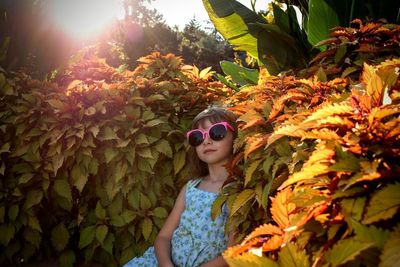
x=84, y=18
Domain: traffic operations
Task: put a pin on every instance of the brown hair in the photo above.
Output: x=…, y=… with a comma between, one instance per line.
x=214, y=114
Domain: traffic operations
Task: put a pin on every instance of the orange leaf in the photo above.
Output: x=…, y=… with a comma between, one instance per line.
x=274, y=243
x=282, y=209
x=265, y=229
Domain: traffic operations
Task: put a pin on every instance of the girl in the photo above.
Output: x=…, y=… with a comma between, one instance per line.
x=189, y=236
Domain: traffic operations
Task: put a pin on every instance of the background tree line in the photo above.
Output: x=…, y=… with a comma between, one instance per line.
x=30, y=42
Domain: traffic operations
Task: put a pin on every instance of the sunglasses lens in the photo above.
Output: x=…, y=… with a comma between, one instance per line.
x=195, y=138
x=217, y=132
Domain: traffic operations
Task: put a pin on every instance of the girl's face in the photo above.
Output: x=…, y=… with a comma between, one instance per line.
x=214, y=152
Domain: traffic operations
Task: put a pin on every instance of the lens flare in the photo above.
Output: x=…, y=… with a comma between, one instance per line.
x=84, y=18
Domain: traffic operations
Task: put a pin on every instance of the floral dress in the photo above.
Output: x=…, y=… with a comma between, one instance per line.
x=198, y=238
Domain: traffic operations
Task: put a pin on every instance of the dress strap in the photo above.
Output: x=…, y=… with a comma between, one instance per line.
x=193, y=183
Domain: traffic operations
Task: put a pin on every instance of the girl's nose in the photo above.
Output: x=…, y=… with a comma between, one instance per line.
x=207, y=139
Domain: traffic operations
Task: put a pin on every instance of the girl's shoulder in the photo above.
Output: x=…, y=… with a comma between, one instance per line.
x=193, y=182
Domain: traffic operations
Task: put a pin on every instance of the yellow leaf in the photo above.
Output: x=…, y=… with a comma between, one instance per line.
x=147, y=228
x=330, y=110
x=241, y=199
x=374, y=84
x=250, y=170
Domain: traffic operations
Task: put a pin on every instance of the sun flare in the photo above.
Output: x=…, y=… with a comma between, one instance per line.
x=84, y=18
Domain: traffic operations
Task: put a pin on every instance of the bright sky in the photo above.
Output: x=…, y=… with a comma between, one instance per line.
x=85, y=18
x=180, y=12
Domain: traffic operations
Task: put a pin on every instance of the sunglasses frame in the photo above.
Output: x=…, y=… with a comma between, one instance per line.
x=207, y=132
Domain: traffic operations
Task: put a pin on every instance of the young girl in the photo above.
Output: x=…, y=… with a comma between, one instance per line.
x=189, y=236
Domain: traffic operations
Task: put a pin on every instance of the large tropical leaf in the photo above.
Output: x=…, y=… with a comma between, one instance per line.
x=247, y=31
x=231, y=19
x=322, y=17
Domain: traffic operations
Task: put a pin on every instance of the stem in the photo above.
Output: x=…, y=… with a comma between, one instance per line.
x=351, y=11
x=253, y=5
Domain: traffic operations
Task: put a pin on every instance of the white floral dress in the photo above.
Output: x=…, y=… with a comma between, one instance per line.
x=198, y=238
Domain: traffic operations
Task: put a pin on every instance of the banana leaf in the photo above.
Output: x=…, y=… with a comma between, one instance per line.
x=239, y=74
x=247, y=31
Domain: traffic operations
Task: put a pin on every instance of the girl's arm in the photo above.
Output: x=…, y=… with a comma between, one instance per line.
x=219, y=261
x=162, y=244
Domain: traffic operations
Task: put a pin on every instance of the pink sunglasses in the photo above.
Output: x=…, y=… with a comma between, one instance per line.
x=217, y=132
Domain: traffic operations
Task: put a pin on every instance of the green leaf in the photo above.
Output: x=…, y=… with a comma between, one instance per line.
x=179, y=161
x=128, y=216
x=322, y=17
x=345, y=251
x=340, y=53
x=370, y=234
x=67, y=259
x=353, y=207
x=33, y=223
x=164, y=147
x=291, y=256
x=145, y=153
x=13, y=212
x=101, y=233
x=145, y=203
x=87, y=236
x=345, y=161
x=108, y=243
x=59, y=236
x=231, y=21
x=120, y=171
x=160, y=212
x=7, y=233
x=79, y=178
x=5, y=148
x=250, y=170
x=107, y=134
x=239, y=74
x=100, y=211
x=147, y=228
x=384, y=204
x=117, y=220
x=56, y=104
x=26, y=177
x=216, y=208
x=241, y=199
x=390, y=255
x=33, y=198
x=134, y=198
x=110, y=153
x=154, y=122
x=63, y=189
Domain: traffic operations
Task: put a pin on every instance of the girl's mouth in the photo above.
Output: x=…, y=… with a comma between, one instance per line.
x=208, y=151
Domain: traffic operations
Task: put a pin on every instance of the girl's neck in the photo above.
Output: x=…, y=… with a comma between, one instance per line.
x=216, y=174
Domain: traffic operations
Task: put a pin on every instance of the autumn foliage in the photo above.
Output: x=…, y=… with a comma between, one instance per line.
x=319, y=163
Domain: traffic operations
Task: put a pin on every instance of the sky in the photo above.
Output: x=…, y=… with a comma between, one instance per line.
x=180, y=12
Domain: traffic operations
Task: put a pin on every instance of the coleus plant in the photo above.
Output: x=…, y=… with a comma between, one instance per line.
x=338, y=203
x=91, y=161
x=350, y=47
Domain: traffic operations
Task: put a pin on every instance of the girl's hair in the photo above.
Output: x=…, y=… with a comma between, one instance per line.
x=214, y=114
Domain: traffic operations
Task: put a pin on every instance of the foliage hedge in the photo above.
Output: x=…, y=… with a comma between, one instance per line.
x=91, y=162
x=318, y=176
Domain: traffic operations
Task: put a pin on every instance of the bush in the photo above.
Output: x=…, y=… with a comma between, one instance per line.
x=92, y=162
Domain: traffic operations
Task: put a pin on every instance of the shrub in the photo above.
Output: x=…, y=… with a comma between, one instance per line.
x=92, y=162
